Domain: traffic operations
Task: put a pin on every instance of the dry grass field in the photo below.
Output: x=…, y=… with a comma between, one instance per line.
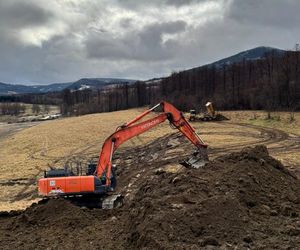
x=25, y=154
x=279, y=120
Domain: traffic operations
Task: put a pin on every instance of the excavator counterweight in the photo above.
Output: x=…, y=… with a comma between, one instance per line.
x=102, y=181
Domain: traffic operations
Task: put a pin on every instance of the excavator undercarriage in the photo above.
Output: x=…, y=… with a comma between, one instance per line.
x=100, y=198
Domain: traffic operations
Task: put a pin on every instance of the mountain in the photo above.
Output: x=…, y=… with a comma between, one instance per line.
x=9, y=89
x=84, y=83
x=251, y=54
x=97, y=83
x=54, y=87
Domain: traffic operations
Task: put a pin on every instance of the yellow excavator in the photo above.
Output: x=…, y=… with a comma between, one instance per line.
x=209, y=115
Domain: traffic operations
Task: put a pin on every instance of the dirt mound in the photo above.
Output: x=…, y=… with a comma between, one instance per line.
x=239, y=201
x=57, y=224
x=220, y=117
x=58, y=212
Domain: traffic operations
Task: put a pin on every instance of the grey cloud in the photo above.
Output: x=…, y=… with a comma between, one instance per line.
x=136, y=4
x=135, y=38
x=167, y=27
x=133, y=4
x=145, y=45
x=275, y=13
x=103, y=46
x=180, y=3
x=126, y=22
x=17, y=14
x=60, y=59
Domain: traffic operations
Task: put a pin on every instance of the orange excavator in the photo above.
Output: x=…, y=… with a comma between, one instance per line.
x=99, y=182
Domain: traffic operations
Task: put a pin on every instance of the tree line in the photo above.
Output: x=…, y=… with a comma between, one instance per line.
x=11, y=108
x=16, y=108
x=270, y=83
x=117, y=97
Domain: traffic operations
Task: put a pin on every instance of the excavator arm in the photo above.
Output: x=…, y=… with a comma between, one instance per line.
x=89, y=187
x=132, y=128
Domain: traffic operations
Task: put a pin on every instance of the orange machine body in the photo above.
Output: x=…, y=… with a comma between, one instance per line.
x=70, y=185
x=103, y=180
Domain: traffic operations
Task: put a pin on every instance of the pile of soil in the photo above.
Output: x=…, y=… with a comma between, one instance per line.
x=245, y=199
x=220, y=117
x=241, y=200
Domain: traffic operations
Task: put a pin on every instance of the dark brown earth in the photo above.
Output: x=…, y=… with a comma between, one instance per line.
x=238, y=201
x=220, y=117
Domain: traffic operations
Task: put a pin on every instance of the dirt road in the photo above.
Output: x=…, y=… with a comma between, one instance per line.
x=276, y=140
x=7, y=129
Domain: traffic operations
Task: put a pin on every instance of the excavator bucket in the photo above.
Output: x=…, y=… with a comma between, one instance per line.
x=197, y=160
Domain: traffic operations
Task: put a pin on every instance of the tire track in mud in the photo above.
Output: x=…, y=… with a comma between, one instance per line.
x=267, y=136
x=9, y=129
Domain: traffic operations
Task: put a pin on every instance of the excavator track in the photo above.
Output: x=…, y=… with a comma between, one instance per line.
x=103, y=202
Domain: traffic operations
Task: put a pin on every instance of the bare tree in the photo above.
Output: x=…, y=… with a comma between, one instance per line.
x=36, y=108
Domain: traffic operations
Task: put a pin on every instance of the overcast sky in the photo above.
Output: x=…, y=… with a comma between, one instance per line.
x=45, y=41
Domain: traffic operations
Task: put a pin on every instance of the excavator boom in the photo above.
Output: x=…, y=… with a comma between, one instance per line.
x=132, y=128
x=102, y=181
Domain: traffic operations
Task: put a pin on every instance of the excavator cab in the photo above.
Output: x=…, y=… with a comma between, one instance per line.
x=192, y=115
x=59, y=172
x=91, y=168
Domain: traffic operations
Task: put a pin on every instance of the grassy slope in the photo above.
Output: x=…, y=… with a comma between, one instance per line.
x=280, y=120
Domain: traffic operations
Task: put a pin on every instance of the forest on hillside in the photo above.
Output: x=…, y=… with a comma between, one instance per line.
x=270, y=83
